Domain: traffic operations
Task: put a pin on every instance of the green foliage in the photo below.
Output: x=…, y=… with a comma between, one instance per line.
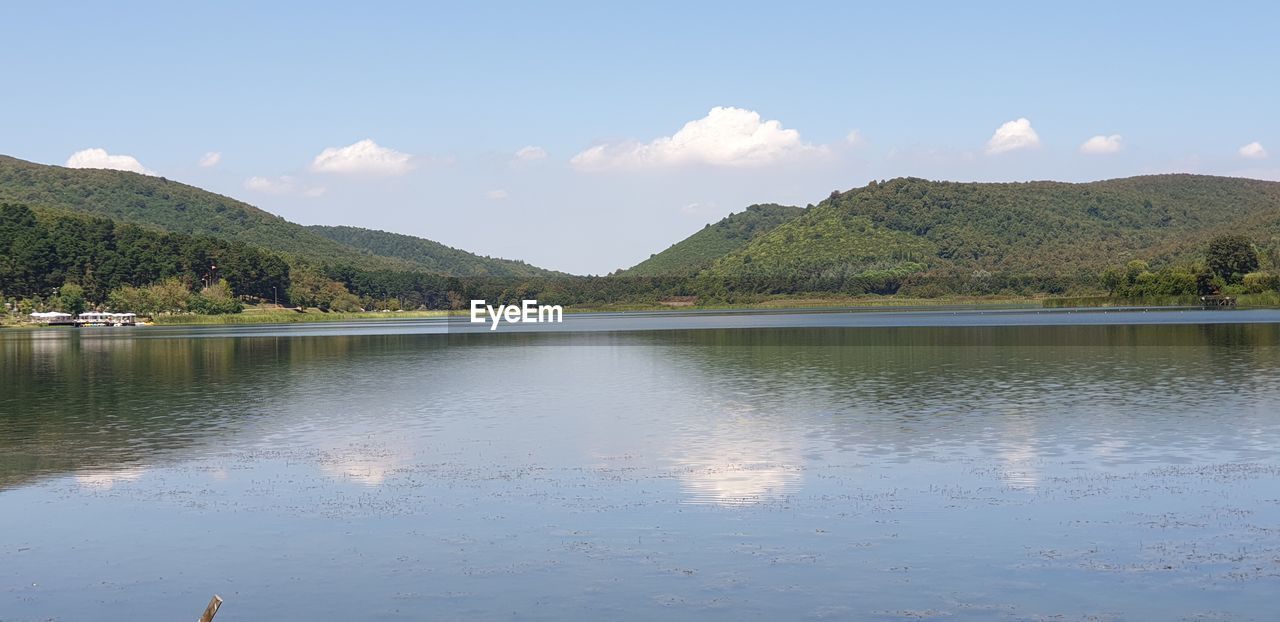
x=903, y=235
x=1027, y=237
x=1259, y=282
x=714, y=241
x=1168, y=282
x=42, y=249
x=342, y=301
x=179, y=208
x=1112, y=279
x=169, y=296
x=215, y=299
x=310, y=288
x=427, y=254
x=1231, y=256
x=171, y=206
x=71, y=299
x=1134, y=268
x=132, y=299
x=1228, y=253
x=822, y=250
x=26, y=254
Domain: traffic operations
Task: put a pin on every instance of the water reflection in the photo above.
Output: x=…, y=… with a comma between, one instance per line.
x=753, y=400
x=1018, y=456
x=739, y=458
x=593, y=475
x=367, y=463
x=106, y=479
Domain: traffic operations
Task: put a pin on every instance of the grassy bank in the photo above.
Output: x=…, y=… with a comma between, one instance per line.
x=1252, y=301
x=284, y=316
x=253, y=316
x=276, y=315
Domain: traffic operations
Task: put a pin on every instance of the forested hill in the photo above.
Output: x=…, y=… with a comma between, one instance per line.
x=714, y=241
x=905, y=226
x=179, y=208
x=171, y=206
x=429, y=254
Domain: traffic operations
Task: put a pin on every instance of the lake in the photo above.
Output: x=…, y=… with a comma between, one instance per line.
x=965, y=465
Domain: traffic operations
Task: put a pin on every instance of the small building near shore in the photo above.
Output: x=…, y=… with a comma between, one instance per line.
x=101, y=318
x=52, y=318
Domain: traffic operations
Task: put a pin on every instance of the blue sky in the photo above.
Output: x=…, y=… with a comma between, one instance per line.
x=785, y=102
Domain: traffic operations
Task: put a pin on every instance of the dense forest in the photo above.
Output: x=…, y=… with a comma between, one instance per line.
x=179, y=208
x=928, y=238
x=430, y=255
x=1231, y=264
x=53, y=259
x=714, y=241
x=41, y=252
x=111, y=239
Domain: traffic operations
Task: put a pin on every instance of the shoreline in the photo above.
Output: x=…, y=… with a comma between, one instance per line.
x=788, y=304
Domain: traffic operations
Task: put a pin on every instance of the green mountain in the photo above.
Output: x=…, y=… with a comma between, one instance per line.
x=977, y=237
x=171, y=206
x=431, y=255
x=714, y=241
x=179, y=208
x=1032, y=229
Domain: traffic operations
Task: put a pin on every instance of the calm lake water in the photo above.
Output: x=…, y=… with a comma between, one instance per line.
x=1007, y=465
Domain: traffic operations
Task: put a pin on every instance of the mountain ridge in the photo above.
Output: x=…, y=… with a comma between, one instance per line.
x=889, y=229
x=429, y=253
x=911, y=225
x=692, y=254
x=176, y=207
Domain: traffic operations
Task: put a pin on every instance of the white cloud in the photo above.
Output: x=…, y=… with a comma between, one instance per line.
x=210, y=159
x=531, y=154
x=1253, y=151
x=496, y=195
x=283, y=185
x=725, y=137
x=1102, y=144
x=855, y=138
x=364, y=157
x=1014, y=135
x=99, y=158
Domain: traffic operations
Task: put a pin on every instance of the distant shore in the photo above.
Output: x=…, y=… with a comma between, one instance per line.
x=279, y=315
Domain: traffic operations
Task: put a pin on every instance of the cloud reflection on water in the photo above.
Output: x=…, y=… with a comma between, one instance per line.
x=106, y=479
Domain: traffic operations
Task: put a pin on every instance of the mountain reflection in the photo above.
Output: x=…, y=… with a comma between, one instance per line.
x=99, y=403
x=733, y=417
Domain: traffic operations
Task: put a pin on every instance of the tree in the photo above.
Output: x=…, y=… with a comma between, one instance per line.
x=1112, y=278
x=216, y=299
x=1231, y=257
x=1204, y=283
x=305, y=286
x=26, y=255
x=132, y=299
x=1133, y=269
x=1258, y=282
x=170, y=295
x=71, y=299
